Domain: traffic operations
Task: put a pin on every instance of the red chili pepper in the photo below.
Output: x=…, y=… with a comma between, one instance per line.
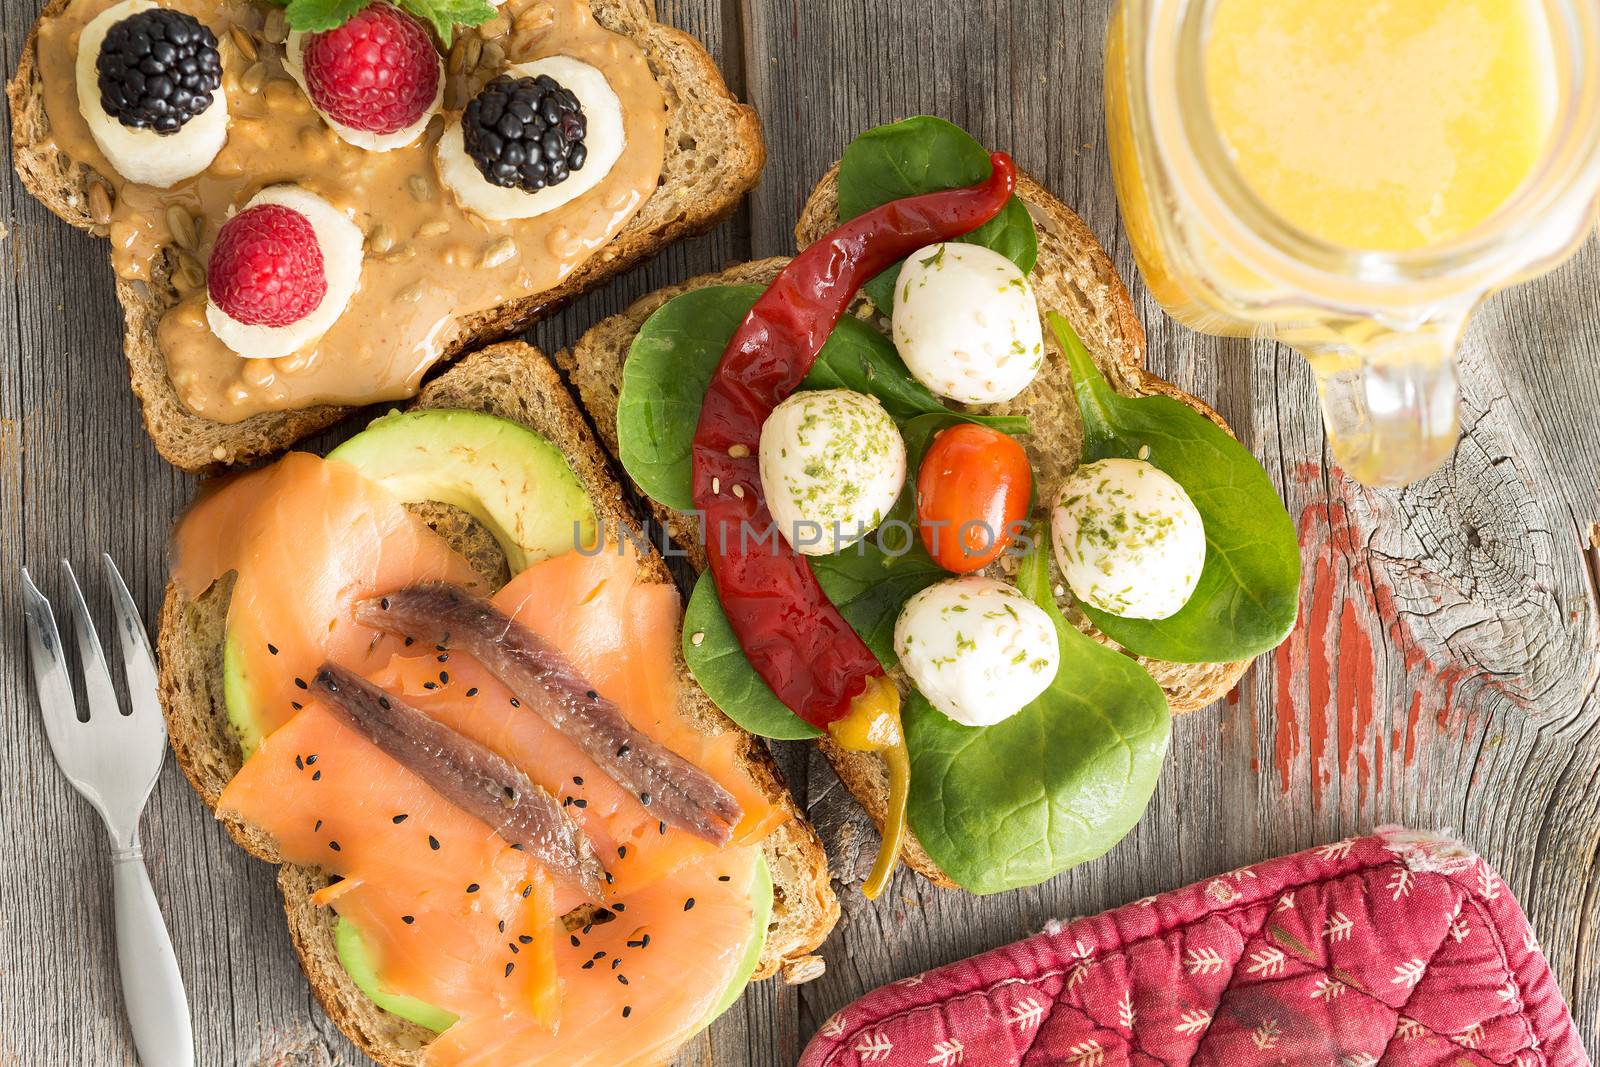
x=792, y=634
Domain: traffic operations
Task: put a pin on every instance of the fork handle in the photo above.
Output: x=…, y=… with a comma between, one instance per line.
x=152, y=988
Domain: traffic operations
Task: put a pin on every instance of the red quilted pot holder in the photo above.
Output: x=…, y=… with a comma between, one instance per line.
x=1403, y=949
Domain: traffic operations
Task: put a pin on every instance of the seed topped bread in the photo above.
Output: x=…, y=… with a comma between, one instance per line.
x=1074, y=277
x=512, y=381
x=714, y=154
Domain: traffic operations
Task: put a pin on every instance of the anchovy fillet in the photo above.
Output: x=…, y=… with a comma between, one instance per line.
x=470, y=776
x=675, y=790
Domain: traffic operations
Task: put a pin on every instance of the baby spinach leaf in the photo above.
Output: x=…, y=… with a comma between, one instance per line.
x=718, y=663
x=1058, y=783
x=926, y=155
x=867, y=584
x=1249, y=590
x=676, y=352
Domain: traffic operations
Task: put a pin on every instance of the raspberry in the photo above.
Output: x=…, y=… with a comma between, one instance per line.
x=266, y=267
x=378, y=72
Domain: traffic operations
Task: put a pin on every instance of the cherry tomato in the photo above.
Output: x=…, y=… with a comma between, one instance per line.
x=972, y=492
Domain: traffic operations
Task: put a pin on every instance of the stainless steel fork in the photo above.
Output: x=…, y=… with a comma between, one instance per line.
x=112, y=757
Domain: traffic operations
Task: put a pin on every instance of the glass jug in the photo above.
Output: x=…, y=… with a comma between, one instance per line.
x=1378, y=319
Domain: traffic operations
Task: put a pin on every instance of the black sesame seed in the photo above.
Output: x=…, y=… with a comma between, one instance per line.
x=384, y=603
x=622, y=852
x=334, y=845
x=317, y=827
x=512, y=945
x=577, y=779
x=444, y=657
x=644, y=798
x=626, y=1011
x=526, y=940
x=398, y=819
x=580, y=803
x=598, y=956
x=272, y=648
x=408, y=919
x=473, y=888
x=502, y=925
x=516, y=846
x=317, y=776
x=300, y=762
x=444, y=677
x=616, y=963
x=515, y=702
x=623, y=751
x=589, y=966
x=622, y=978
x=383, y=702
x=592, y=695
x=300, y=683
x=661, y=827
x=296, y=705
x=586, y=928
x=688, y=904
x=609, y=879
x=724, y=877
x=410, y=641
x=430, y=685
x=527, y=889
x=619, y=907
x=433, y=842
x=509, y=968
x=576, y=941
x=311, y=759
x=472, y=692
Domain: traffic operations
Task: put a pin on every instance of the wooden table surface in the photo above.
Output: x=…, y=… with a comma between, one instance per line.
x=1442, y=674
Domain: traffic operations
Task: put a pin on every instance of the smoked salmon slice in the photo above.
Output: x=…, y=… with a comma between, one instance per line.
x=307, y=538
x=442, y=900
x=638, y=986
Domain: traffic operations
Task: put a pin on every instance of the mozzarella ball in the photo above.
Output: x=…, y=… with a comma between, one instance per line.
x=143, y=155
x=1128, y=539
x=966, y=323
x=978, y=649
x=832, y=463
x=604, y=138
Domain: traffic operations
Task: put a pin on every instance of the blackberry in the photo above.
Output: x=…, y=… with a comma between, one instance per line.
x=525, y=133
x=158, y=69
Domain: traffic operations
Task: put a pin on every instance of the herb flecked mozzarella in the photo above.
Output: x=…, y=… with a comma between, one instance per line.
x=832, y=463
x=977, y=648
x=1128, y=539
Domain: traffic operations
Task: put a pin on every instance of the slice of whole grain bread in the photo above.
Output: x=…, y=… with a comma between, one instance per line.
x=1074, y=277
x=714, y=154
x=515, y=382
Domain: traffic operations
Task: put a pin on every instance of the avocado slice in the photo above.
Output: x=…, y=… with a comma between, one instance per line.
x=358, y=961
x=509, y=478
x=363, y=970
x=500, y=472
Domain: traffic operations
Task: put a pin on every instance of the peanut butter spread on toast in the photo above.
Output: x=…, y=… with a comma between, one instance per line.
x=428, y=264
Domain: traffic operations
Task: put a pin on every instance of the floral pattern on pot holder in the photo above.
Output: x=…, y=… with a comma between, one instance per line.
x=1402, y=949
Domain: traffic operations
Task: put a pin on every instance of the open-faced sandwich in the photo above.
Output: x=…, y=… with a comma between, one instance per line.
x=427, y=677
x=977, y=558
x=310, y=206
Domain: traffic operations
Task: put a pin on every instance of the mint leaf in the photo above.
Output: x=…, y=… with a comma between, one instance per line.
x=314, y=16
x=444, y=15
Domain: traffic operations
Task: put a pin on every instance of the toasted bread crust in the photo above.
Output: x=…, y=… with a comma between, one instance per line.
x=512, y=381
x=1075, y=277
x=714, y=156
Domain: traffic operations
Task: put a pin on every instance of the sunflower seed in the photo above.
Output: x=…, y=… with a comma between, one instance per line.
x=245, y=43
x=100, y=203
x=181, y=225
x=497, y=253
x=421, y=191
x=433, y=228
x=381, y=239
x=276, y=28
